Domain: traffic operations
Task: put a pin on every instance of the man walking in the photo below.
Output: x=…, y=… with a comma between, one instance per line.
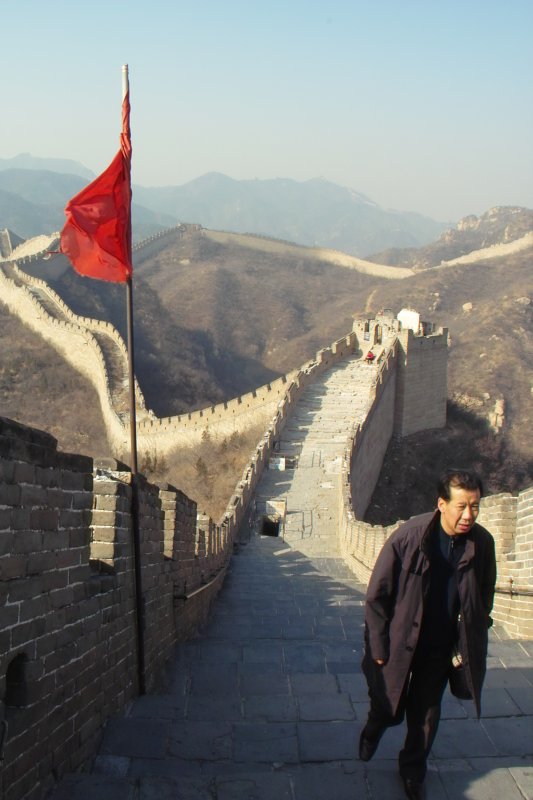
x=430, y=593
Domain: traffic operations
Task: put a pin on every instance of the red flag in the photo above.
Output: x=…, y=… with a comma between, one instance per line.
x=96, y=237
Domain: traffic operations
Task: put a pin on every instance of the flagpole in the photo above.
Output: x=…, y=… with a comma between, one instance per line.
x=139, y=602
x=129, y=292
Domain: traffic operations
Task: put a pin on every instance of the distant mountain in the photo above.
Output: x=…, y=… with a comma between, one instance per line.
x=24, y=218
x=42, y=187
x=32, y=202
x=313, y=213
x=499, y=225
x=64, y=165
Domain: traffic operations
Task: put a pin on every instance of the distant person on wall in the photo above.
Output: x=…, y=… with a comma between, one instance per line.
x=370, y=357
x=427, y=616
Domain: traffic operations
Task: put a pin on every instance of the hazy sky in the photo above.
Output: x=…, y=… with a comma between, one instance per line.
x=423, y=105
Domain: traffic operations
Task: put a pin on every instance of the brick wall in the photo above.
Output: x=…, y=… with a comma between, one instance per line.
x=422, y=388
x=510, y=519
x=369, y=444
x=68, y=633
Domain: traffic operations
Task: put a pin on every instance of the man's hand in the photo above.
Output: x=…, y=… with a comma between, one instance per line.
x=379, y=661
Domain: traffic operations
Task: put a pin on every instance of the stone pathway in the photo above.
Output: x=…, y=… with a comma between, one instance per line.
x=268, y=701
x=316, y=435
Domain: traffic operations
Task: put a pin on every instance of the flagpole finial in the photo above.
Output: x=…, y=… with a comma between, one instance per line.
x=125, y=80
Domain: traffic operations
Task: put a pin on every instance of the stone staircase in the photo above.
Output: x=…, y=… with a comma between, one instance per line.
x=316, y=434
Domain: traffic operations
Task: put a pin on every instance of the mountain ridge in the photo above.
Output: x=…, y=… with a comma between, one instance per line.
x=312, y=213
x=63, y=165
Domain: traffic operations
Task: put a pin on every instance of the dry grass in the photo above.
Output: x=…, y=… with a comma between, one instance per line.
x=209, y=473
x=38, y=388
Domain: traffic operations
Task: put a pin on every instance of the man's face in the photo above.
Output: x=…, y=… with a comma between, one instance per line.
x=458, y=514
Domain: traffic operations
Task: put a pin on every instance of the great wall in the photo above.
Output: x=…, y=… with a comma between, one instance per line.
x=68, y=638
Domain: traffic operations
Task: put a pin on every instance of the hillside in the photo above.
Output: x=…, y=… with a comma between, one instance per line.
x=311, y=213
x=315, y=213
x=39, y=388
x=32, y=202
x=65, y=166
x=500, y=225
x=215, y=318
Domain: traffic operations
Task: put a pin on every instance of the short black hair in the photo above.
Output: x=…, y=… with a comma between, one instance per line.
x=458, y=478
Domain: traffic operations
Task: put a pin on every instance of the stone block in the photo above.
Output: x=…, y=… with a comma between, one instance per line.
x=259, y=743
x=100, y=518
x=89, y=787
x=37, y=563
x=333, y=782
x=12, y=566
x=243, y=785
x=44, y=519
x=9, y=616
x=10, y=495
x=33, y=496
x=470, y=740
x=24, y=473
x=314, y=707
x=20, y=519
x=55, y=540
x=105, y=550
x=7, y=471
x=327, y=741
x=511, y=736
x=490, y=784
x=61, y=597
x=7, y=543
x=136, y=738
x=72, y=518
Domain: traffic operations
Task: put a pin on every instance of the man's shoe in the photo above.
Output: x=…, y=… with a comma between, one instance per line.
x=367, y=747
x=414, y=790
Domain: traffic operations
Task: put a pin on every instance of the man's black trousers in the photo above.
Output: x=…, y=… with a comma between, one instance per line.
x=420, y=705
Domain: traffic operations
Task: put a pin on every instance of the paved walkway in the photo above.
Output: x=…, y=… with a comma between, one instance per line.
x=268, y=702
x=315, y=436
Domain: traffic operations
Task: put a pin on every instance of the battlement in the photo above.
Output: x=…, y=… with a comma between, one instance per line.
x=68, y=633
x=68, y=335
x=84, y=343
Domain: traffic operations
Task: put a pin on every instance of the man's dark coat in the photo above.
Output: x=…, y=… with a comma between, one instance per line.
x=395, y=604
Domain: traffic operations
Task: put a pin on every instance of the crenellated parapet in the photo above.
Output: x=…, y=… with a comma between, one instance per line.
x=68, y=334
x=509, y=517
x=411, y=370
x=68, y=597
x=91, y=346
x=146, y=247
x=256, y=407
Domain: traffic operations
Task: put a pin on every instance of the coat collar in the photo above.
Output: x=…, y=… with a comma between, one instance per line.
x=469, y=551
x=470, y=547
x=433, y=522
